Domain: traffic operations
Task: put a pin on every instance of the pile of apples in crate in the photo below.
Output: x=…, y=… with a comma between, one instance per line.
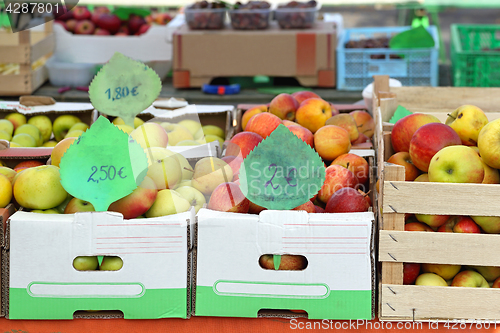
x=462, y=150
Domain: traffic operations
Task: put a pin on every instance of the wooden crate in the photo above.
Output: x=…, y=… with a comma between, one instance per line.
x=396, y=246
x=24, y=48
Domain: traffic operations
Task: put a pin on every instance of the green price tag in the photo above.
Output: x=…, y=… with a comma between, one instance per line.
x=400, y=112
x=124, y=88
x=282, y=172
x=103, y=165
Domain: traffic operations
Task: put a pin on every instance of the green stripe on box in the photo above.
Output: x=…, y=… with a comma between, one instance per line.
x=339, y=305
x=153, y=304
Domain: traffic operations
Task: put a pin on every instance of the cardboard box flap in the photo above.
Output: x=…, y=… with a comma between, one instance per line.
x=58, y=107
x=189, y=109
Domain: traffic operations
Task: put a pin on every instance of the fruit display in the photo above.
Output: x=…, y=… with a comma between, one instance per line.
x=206, y=15
x=372, y=43
x=296, y=15
x=250, y=16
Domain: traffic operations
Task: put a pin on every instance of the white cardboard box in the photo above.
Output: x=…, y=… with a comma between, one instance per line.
x=338, y=282
x=153, y=282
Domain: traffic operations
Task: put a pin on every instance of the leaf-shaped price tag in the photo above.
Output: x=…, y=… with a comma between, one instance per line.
x=400, y=112
x=103, y=165
x=282, y=172
x=124, y=88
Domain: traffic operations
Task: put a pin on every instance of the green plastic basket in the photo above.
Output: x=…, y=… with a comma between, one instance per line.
x=475, y=55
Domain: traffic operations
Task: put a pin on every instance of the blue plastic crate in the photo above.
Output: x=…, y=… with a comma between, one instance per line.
x=355, y=67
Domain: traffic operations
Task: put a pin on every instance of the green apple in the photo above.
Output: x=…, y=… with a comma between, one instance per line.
x=44, y=124
x=168, y=202
x=185, y=182
x=76, y=205
x=23, y=140
x=213, y=130
x=150, y=135
x=111, y=263
x=85, y=263
x=188, y=143
x=490, y=273
x=193, y=196
x=46, y=211
x=445, y=271
x=62, y=124
x=6, y=126
x=489, y=224
x=211, y=138
x=15, y=145
x=165, y=172
x=31, y=130
x=137, y=121
x=125, y=128
x=192, y=125
x=17, y=119
x=456, y=164
x=176, y=133
x=187, y=169
x=61, y=207
x=430, y=279
x=210, y=172
x=50, y=144
x=39, y=188
x=73, y=133
x=8, y=172
x=79, y=126
x=5, y=136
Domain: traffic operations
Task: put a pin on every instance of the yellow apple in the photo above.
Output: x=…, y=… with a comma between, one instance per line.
x=5, y=191
x=430, y=279
x=17, y=119
x=111, y=263
x=79, y=126
x=50, y=144
x=62, y=124
x=445, y=271
x=313, y=113
x=6, y=126
x=23, y=140
x=210, y=172
x=176, y=133
x=213, y=130
x=150, y=135
x=191, y=125
x=488, y=143
x=73, y=134
x=125, y=128
x=456, y=164
x=8, y=172
x=31, y=130
x=59, y=150
x=168, y=202
x=467, y=121
x=5, y=136
x=193, y=196
x=44, y=124
x=211, y=138
x=165, y=172
x=46, y=211
x=137, y=121
x=469, y=279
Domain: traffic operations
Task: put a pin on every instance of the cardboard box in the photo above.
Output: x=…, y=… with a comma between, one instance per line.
x=5, y=213
x=308, y=55
x=338, y=282
x=42, y=283
x=25, y=48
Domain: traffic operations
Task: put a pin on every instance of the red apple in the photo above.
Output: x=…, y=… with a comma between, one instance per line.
x=71, y=25
x=252, y=112
x=263, y=124
x=121, y=34
x=428, y=140
x=301, y=96
x=26, y=164
x=288, y=262
x=319, y=209
x=62, y=13
x=303, y=133
x=78, y=205
x=138, y=202
x=469, y=278
x=235, y=164
x=356, y=164
x=84, y=27
x=227, y=197
x=404, y=128
x=243, y=143
x=134, y=23
x=367, y=197
x=109, y=22
x=347, y=200
x=123, y=29
x=410, y=272
x=403, y=158
x=331, y=141
x=143, y=29
x=307, y=206
x=313, y=113
x=434, y=221
x=336, y=178
x=496, y=284
x=464, y=224
x=284, y=106
x=418, y=226
x=365, y=122
x=101, y=32
x=81, y=13
x=361, y=139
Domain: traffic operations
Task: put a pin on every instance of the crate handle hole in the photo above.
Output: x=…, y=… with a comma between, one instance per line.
x=285, y=262
x=95, y=263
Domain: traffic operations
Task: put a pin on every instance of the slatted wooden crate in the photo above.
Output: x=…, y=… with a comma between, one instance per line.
x=397, y=197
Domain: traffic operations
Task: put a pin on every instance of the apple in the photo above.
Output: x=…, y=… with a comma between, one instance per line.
x=74, y=134
x=319, y=209
x=366, y=196
x=469, y=278
x=211, y=138
x=235, y=164
x=456, y=164
x=302, y=95
x=243, y=143
x=192, y=126
x=109, y=22
x=76, y=205
x=430, y=279
x=404, y=128
x=27, y=164
x=193, y=196
x=422, y=178
x=168, y=202
x=410, y=272
x=210, y=172
x=288, y=262
x=428, y=140
x=364, y=121
x=347, y=122
x=331, y=141
x=85, y=27
x=123, y=30
x=308, y=206
x=491, y=175
x=134, y=23
x=7, y=126
x=361, y=139
x=59, y=150
x=23, y=140
x=263, y=124
x=213, y=130
x=81, y=13
x=46, y=211
x=138, y=202
x=17, y=119
x=30, y=130
x=302, y=133
x=313, y=113
x=445, y=271
x=143, y=29
x=434, y=221
x=347, y=200
x=403, y=158
x=464, y=224
x=62, y=124
x=111, y=263
x=489, y=144
x=467, y=121
x=176, y=133
x=336, y=177
x=85, y=263
x=418, y=226
x=62, y=13
x=125, y=128
x=252, y=112
x=5, y=136
x=5, y=191
x=289, y=123
x=253, y=208
x=490, y=273
x=39, y=188
x=489, y=224
x=227, y=197
x=150, y=135
x=284, y=106
x=165, y=172
x=356, y=164
x=8, y=172
x=496, y=283
x=137, y=121
x=43, y=124
x=101, y=32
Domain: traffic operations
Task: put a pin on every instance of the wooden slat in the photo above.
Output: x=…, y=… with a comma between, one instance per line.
x=19, y=54
x=387, y=108
x=15, y=85
x=438, y=248
x=429, y=302
x=43, y=47
x=441, y=198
